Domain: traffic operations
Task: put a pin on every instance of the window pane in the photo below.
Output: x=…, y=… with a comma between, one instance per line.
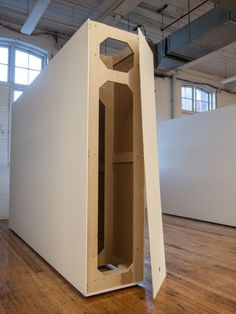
x=198, y=106
x=198, y=94
x=187, y=92
x=4, y=55
x=21, y=76
x=204, y=106
x=204, y=96
x=186, y=104
x=17, y=94
x=32, y=75
x=213, y=106
x=22, y=59
x=201, y=106
x=3, y=73
x=35, y=63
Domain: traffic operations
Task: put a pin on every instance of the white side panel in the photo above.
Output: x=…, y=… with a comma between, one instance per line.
x=4, y=192
x=4, y=167
x=4, y=124
x=157, y=253
x=198, y=166
x=48, y=198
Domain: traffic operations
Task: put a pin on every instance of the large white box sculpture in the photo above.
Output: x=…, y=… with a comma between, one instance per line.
x=82, y=135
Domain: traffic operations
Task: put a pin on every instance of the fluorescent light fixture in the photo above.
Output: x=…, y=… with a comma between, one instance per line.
x=228, y=80
x=34, y=17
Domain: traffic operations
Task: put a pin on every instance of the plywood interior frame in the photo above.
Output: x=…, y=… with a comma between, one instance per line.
x=132, y=273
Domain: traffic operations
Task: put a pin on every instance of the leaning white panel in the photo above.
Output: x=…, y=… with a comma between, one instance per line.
x=157, y=253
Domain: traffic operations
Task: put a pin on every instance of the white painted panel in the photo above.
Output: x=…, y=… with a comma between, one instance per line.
x=157, y=254
x=163, y=98
x=49, y=162
x=198, y=166
x=4, y=168
x=4, y=192
x=4, y=123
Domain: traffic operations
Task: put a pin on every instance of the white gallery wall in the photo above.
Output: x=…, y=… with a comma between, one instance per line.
x=197, y=158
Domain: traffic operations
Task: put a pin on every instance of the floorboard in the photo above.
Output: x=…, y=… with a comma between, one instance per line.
x=201, y=276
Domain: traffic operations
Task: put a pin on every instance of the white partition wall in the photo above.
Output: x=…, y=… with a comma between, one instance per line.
x=197, y=156
x=4, y=149
x=78, y=159
x=49, y=147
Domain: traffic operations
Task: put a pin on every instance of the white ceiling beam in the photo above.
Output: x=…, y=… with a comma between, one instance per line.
x=228, y=80
x=34, y=17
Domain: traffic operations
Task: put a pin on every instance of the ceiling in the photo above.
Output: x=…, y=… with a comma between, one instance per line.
x=64, y=17
x=221, y=63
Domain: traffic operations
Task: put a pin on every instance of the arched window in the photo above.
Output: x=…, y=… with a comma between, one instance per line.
x=20, y=64
x=197, y=98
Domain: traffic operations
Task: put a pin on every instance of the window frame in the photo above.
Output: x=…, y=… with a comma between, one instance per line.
x=210, y=91
x=12, y=46
x=3, y=45
x=30, y=52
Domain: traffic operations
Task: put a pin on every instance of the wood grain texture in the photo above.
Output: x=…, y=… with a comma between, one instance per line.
x=201, y=276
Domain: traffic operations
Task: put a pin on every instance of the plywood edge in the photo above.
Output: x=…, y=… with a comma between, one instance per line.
x=112, y=289
x=87, y=27
x=154, y=214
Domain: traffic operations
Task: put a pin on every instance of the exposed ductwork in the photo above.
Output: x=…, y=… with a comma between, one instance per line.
x=206, y=34
x=227, y=4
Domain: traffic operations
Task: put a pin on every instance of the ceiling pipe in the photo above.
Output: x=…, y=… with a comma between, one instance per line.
x=182, y=16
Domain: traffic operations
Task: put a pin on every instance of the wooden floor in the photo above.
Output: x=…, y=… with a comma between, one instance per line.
x=201, y=277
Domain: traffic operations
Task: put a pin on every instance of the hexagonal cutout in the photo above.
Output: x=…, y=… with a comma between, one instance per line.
x=116, y=55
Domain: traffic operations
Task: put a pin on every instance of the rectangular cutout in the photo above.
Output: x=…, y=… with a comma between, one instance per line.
x=115, y=221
